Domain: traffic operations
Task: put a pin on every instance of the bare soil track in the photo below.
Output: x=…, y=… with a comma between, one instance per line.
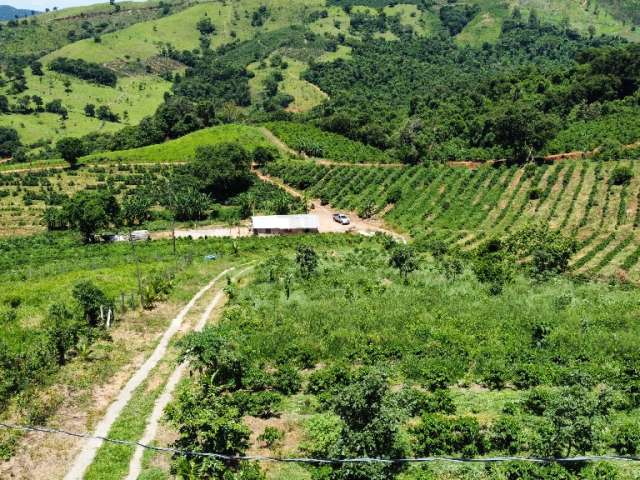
x=89, y=448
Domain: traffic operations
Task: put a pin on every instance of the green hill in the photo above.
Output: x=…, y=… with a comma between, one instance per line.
x=144, y=42
x=8, y=12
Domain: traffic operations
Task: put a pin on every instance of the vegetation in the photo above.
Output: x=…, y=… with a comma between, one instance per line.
x=313, y=142
x=376, y=390
x=499, y=319
x=461, y=207
x=91, y=72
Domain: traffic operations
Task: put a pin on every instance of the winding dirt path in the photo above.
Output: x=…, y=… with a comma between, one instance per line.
x=153, y=422
x=90, y=446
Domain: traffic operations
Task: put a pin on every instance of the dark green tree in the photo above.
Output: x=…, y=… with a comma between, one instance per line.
x=9, y=141
x=61, y=329
x=91, y=299
x=307, y=260
x=403, y=258
x=70, y=149
x=223, y=170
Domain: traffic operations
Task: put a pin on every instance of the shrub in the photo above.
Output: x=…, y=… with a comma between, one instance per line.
x=257, y=404
x=418, y=402
x=506, y=435
x=626, y=437
x=271, y=436
x=621, y=175
x=92, y=300
x=286, y=380
x=322, y=434
x=439, y=435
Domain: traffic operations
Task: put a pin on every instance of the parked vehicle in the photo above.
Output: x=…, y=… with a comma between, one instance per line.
x=140, y=235
x=342, y=219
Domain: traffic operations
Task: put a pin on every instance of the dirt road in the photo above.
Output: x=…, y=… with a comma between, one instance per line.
x=90, y=446
x=151, y=430
x=325, y=213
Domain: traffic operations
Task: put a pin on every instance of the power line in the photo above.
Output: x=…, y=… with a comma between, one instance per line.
x=324, y=461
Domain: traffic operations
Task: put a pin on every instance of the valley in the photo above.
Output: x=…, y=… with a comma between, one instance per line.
x=320, y=240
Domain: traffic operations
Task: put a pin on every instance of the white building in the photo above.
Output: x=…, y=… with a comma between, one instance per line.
x=285, y=224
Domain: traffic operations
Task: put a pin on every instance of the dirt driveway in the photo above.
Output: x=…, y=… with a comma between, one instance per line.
x=363, y=226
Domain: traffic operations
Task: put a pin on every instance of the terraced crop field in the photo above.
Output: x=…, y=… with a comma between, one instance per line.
x=463, y=207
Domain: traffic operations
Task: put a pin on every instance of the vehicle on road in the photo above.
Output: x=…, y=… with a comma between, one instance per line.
x=140, y=235
x=341, y=218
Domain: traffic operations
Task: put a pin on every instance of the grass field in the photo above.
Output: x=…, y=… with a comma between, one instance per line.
x=50, y=31
x=137, y=95
x=306, y=95
x=184, y=148
x=232, y=21
x=485, y=27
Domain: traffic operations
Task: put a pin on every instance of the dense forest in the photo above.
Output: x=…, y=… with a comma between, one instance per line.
x=508, y=99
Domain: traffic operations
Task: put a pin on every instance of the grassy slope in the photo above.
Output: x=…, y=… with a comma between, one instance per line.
x=51, y=29
x=306, y=94
x=486, y=26
x=143, y=40
x=184, y=148
x=137, y=95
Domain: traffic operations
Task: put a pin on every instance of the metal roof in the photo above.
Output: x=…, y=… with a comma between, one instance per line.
x=286, y=222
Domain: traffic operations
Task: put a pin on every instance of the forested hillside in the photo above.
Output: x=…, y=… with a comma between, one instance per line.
x=470, y=70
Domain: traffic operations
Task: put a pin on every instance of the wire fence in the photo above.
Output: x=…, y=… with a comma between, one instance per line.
x=325, y=461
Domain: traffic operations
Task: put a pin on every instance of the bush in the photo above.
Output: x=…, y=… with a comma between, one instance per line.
x=439, y=435
x=92, y=300
x=626, y=437
x=418, y=402
x=286, y=380
x=506, y=435
x=271, y=436
x=621, y=175
x=257, y=404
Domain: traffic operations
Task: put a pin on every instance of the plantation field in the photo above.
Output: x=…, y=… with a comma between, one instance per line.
x=132, y=99
x=463, y=207
x=352, y=361
x=184, y=148
x=26, y=196
x=313, y=142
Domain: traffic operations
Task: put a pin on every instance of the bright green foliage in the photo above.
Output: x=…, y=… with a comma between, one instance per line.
x=312, y=141
x=215, y=427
